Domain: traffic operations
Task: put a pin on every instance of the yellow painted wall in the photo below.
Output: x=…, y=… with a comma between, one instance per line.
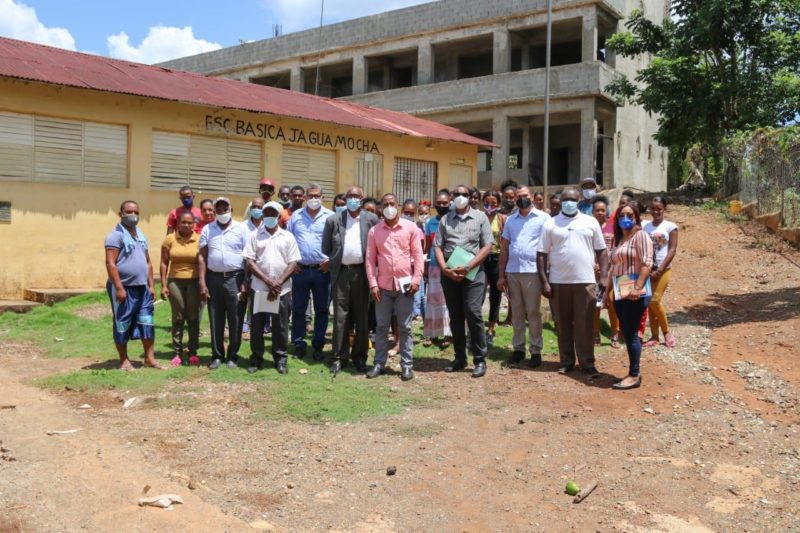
x=55, y=239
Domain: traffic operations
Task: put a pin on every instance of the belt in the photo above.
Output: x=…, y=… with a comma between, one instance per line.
x=357, y=265
x=309, y=267
x=227, y=274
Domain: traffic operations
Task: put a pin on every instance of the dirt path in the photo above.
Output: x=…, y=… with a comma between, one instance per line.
x=710, y=442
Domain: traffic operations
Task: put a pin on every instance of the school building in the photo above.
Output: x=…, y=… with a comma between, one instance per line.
x=80, y=133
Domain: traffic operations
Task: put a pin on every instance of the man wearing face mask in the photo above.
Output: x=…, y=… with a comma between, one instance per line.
x=187, y=204
x=394, y=269
x=130, y=286
x=271, y=254
x=344, y=241
x=570, y=245
x=254, y=214
x=307, y=225
x=470, y=230
x=221, y=279
x=588, y=192
x=518, y=276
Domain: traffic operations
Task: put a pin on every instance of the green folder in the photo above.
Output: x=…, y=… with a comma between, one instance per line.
x=460, y=257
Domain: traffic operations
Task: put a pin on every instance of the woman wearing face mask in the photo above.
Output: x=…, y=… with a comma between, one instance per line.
x=491, y=206
x=437, y=322
x=130, y=286
x=340, y=203
x=665, y=243
x=632, y=255
x=179, y=285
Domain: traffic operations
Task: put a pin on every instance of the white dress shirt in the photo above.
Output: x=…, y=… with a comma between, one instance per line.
x=352, y=253
x=225, y=246
x=272, y=252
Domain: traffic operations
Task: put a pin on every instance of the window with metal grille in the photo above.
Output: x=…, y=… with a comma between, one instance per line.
x=415, y=179
x=369, y=174
x=208, y=164
x=45, y=149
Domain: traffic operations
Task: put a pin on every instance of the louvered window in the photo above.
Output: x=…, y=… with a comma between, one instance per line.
x=369, y=174
x=302, y=166
x=209, y=164
x=44, y=149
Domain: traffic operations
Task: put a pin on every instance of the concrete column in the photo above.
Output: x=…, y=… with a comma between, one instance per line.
x=526, y=151
x=526, y=55
x=501, y=135
x=588, y=142
x=296, y=79
x=589, y=49
x=609, y=135
x=359, y=75
x=502, y=51
x=425, y=59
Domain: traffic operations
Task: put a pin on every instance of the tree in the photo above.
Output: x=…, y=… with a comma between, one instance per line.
x=717, y=66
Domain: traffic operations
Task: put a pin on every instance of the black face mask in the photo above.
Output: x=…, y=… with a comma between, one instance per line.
x=524, y=203
x=442, y=209
x=508, y=204
x=285, y=203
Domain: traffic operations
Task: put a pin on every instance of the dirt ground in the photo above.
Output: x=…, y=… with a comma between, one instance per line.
x=709, y=443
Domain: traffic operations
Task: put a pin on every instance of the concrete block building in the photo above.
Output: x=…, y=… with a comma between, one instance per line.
x=479, y=66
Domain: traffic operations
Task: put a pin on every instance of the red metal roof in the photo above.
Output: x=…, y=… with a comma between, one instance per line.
x=29, y=61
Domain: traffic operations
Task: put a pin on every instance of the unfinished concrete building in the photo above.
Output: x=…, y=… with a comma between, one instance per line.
x=479, y=66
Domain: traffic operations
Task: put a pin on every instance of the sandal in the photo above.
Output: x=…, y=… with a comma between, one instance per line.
x=427, y=343
x=154, y=366
x=176, y=361
x=651, y=342
x=194, y=360
x=615, y=341
x=670, y=340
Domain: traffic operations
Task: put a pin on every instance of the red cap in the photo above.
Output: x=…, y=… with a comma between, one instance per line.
x=266, y=182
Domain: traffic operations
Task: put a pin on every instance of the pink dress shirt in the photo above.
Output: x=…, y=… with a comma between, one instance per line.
x=392, y=253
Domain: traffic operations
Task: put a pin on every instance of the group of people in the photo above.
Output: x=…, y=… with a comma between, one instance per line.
x=380, y=264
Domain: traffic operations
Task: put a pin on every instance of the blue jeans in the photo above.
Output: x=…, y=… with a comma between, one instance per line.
x=305, y=283
x=630, y=316
x=419, y=300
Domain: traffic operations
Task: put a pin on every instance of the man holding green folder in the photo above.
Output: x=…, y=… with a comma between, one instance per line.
x=463, y=241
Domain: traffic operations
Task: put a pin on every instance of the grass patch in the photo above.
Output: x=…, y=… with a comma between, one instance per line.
x=144, y=381
x=417, y=431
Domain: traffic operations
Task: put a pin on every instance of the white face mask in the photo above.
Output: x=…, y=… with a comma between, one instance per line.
x=390, y=212
x=589, y=193
x=461, y=202
x=224, y=218
x=314, y=203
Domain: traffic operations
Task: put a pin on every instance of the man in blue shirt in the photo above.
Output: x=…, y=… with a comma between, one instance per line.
x=221, y=279
x=588, y=191
x=130, y=286
x=307, y=225
x=518, y=275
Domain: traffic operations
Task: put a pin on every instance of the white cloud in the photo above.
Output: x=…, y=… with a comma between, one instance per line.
x=161, y=44
x=296, y=15
x=19, y=21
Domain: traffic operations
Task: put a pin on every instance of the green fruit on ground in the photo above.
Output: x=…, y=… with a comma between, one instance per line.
x=572, y=488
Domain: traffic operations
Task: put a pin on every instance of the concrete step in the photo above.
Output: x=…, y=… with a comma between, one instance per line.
x=17, y=306
x=51, y=296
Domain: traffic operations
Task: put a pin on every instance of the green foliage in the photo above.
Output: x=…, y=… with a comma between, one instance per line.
x=717, y=66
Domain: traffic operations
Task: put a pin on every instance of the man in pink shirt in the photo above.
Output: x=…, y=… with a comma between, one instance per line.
x=394, y=269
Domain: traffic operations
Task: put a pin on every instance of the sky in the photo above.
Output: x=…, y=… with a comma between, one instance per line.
x=150, y=31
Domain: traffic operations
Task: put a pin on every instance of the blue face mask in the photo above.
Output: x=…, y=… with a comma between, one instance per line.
x=188, y=202
x=256, y=213
x=353, y=204
x=626, y=223
x=569, y=207
x=340, y=208
x=270, y=222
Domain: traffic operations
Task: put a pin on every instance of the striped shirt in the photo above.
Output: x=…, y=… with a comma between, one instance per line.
x=630, y=256
x=471, y=231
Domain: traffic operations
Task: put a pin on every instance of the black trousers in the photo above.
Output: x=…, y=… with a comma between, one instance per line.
x=351, y=307
x=224, y=305
x=464, y=302
x=492, y=268
x=279, y=332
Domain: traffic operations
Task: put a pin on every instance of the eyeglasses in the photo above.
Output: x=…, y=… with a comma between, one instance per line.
x=464, y=194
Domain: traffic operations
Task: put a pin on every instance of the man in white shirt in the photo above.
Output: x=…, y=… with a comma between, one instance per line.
x=221, y=273
x=570, y=245
x=271, y=254
x=344, y=241
x=518, y=275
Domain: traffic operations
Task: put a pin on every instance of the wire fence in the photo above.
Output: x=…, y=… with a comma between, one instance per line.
x=764, y=168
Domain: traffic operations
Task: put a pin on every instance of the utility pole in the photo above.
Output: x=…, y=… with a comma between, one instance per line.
x=319, y=47
x=546, y=155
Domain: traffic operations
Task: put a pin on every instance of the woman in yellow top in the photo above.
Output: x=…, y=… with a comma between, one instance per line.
x=179, y=284
x=491, y=206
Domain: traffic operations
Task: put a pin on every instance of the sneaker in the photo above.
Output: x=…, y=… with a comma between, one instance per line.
x=563, y=369
x=231, y=364
x=176, y=361
x=194, y=360
x=215, y=364
x=516, y=358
